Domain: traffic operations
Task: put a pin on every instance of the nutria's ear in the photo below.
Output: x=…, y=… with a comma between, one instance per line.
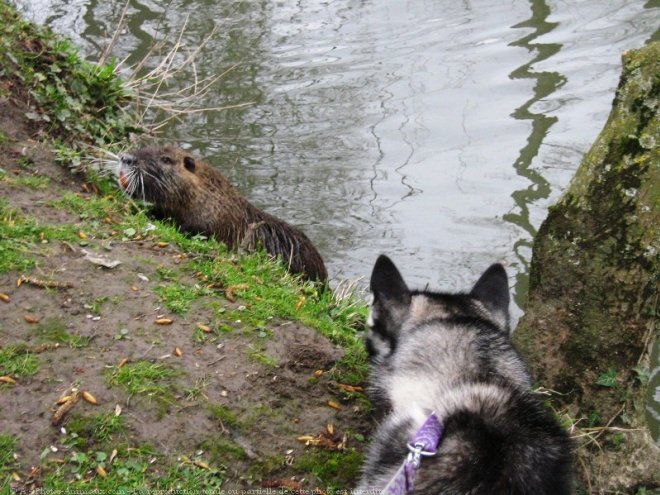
x=492, y=289
x=189, y=163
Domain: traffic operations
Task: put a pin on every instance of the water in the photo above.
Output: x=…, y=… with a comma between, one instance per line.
x=437, y=132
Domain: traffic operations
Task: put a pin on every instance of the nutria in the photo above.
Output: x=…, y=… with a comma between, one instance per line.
x=201, y=200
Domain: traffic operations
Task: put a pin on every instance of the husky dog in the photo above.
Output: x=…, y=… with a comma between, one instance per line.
x=451, y=354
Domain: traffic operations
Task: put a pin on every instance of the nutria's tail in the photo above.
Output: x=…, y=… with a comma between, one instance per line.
x=288, y=243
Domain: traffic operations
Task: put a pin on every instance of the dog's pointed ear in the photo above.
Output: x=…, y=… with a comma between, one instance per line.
x=387, y=283
x=492, y=289
x=389, y=306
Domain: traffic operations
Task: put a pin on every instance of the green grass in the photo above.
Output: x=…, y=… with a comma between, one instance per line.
x=342, y=466
x=272, y=292
x=261, y=357
x=96, y=428
x=17, y=364
x=220, y=450
x=31, y=182
x=22, y=236
x=224, y=415
x=134, y=469
x=178, y=297
x=8, y=464
x=145, y=378
x=54, y=330
x=93, y=207
x=197, y=390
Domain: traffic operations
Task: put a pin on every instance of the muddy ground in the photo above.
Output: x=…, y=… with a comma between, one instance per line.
x=238, y=399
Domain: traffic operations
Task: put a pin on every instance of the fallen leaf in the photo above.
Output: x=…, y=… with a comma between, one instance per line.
x=117, y=410
x=82, y=235
x=64, y=399
x=178, y=352
x=290, y=485
x=7, y=379
x=31, y=319
x=229, y=291
x=318, y=373
x=204, y=328
x=202, y=464
x=44, y=284
x=61, y=411
x=300, y=303
x=334, y=405
x=164, y=321
x=162, y=244
x=101, y=472
x=323, y=440
x=4, y=297
x=103, y=261
x=122, y=363
x=112, y=456
x=349, y=388
x=330, y=429
x=89, y=398
x=15, y=476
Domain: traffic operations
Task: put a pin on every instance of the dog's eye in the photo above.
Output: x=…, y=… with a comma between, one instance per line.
x=166, y=160
x=189, y=163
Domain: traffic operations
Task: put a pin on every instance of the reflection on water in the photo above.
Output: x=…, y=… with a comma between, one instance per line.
x=436, y=132
x=546, y=83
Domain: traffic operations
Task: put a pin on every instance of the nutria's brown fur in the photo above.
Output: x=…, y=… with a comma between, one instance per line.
x=201, y=200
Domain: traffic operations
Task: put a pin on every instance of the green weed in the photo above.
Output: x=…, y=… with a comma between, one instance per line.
x=258, y=355
x=8, y=445
x=145, y=378
x=54, y=330
x=91, y=208
x=129, y=471
x=334, y=468
x=32, y=181
x=607, y=379
x=178, y=297
x=73, y=99
x=197, y=390
x=192, y=476
x=16, y=363
x=221, y=450
x=224, y=415
x=272, y=292
x=20, y=237
x=97, y=428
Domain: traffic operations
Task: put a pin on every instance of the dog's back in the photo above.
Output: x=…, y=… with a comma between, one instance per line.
x=451, y=354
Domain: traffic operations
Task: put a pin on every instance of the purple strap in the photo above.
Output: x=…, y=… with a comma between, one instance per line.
x=424, y=444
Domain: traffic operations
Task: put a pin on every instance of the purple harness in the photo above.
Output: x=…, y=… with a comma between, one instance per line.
x=424, y=444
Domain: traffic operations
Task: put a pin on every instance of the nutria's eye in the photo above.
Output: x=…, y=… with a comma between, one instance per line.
x=166, y=160
x=189, y=163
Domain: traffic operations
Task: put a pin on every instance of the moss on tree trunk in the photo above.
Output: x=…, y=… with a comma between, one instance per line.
x=592, y=309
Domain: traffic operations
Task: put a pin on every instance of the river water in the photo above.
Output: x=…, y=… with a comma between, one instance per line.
x=437, y=132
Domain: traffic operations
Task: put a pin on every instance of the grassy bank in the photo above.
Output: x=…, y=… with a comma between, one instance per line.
x=185, y=365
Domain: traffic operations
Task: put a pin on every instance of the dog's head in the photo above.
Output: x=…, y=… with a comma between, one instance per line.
x=395, y=309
